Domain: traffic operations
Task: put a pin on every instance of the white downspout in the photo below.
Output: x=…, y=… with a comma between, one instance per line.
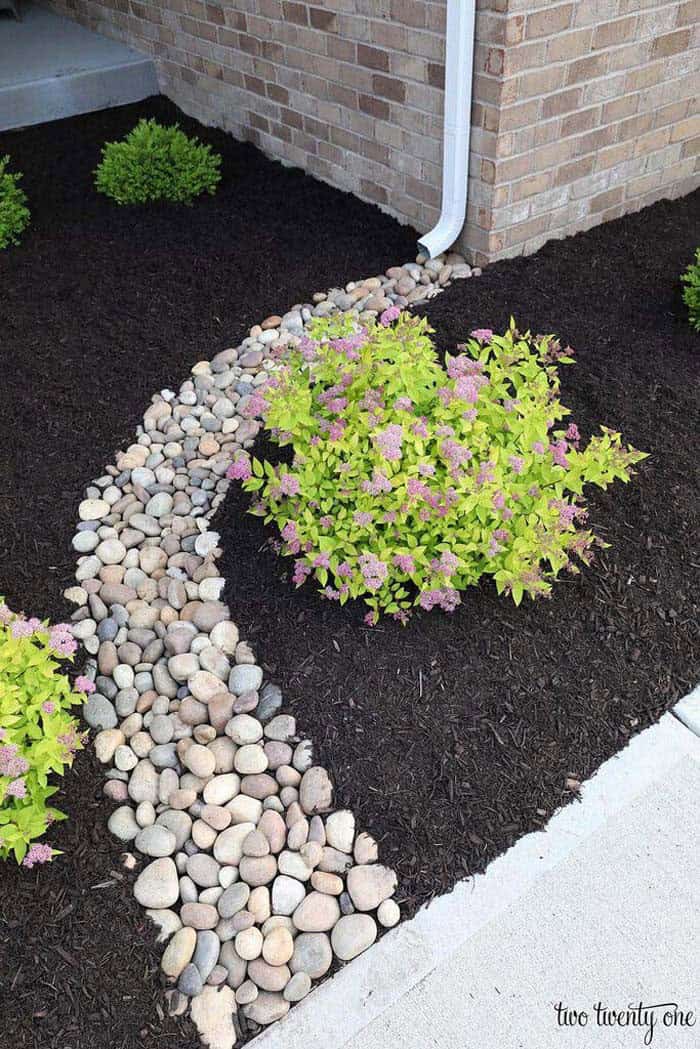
x=459, y=71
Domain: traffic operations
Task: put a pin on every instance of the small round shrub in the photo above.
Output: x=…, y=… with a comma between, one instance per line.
x=691, y=292
x=153, y=163
x=411, y=481
x=37, y=734
x=14, y=213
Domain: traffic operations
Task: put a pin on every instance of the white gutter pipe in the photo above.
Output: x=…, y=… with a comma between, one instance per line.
x=459, y=71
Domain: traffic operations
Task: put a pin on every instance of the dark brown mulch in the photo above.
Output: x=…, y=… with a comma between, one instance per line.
x=101, y=306
x=454, y=736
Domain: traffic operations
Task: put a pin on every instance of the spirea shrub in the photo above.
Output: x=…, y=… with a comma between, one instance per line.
x=37, y=734
x=153, y=163
x=14, y=213
x=411, y=481
x=691, y=292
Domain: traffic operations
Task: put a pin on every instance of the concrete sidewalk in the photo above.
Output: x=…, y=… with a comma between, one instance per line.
x=601, y=907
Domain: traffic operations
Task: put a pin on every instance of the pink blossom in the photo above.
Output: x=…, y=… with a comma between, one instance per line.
x=447, y=564
x=11, y=762
x=289, y=484
x=21, y=628
x=82, y=684
x=420, y=428
x=49, y=708
x=388, y=442
x=403, y=404
x=16, y=789
x=445, y=598
x=559, y=450
x=405, y=563
x=482, y=334
x=374, y=571
x=301, y=571
x=379, y=483
x=336, y=430
x=533, y=491
x=516, y=463
x=239, y=470
x=573, y=435
x=417, y=489
x=499, y=500
x=321, y=560
x=330, y=594
x=372, y=400
x=370, y=619
x=344, y=570
x=456, y=454
x=467, y=387
x=362, y=518
x=389, y=315
x=426, y=469
x=485, y=473
x=39, y=853
x=5, y=614
x=256, y=406
x=538, y=447
x=326, y=521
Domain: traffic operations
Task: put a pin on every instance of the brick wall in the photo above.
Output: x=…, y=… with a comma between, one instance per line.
x=581, y=110
x=596, y=115
x=350, y=90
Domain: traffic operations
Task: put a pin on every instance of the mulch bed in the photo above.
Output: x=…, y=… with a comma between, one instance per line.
x=454, y=736
x=100, y=307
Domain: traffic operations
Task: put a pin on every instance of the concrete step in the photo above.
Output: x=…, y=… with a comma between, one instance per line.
x=51, y=68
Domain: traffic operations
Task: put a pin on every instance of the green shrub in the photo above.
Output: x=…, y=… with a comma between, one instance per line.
x=37, y=734
x=157, y=163
x=410, y=482
x=14, y=213
x=691, y=293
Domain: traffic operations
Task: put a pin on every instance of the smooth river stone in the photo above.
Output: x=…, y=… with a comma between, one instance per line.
x=245, y=678
x=228, y=847
x=316, y=913
x=179, y=952
x=370, y=884
x=312, y=954
x=316, y=790
x=352, y=935
x=157, y=885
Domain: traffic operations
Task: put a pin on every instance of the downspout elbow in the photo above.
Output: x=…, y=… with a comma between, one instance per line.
x=459, y=72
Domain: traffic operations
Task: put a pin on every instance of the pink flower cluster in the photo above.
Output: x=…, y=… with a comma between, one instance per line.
x=374, y=572
x=239, y=470
x=447, y=564
x=389, y=316
x=445, y=598
x=11, y=761
x=61, y=640
x=388, y=442
x=38, y=853
x=379, y=483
